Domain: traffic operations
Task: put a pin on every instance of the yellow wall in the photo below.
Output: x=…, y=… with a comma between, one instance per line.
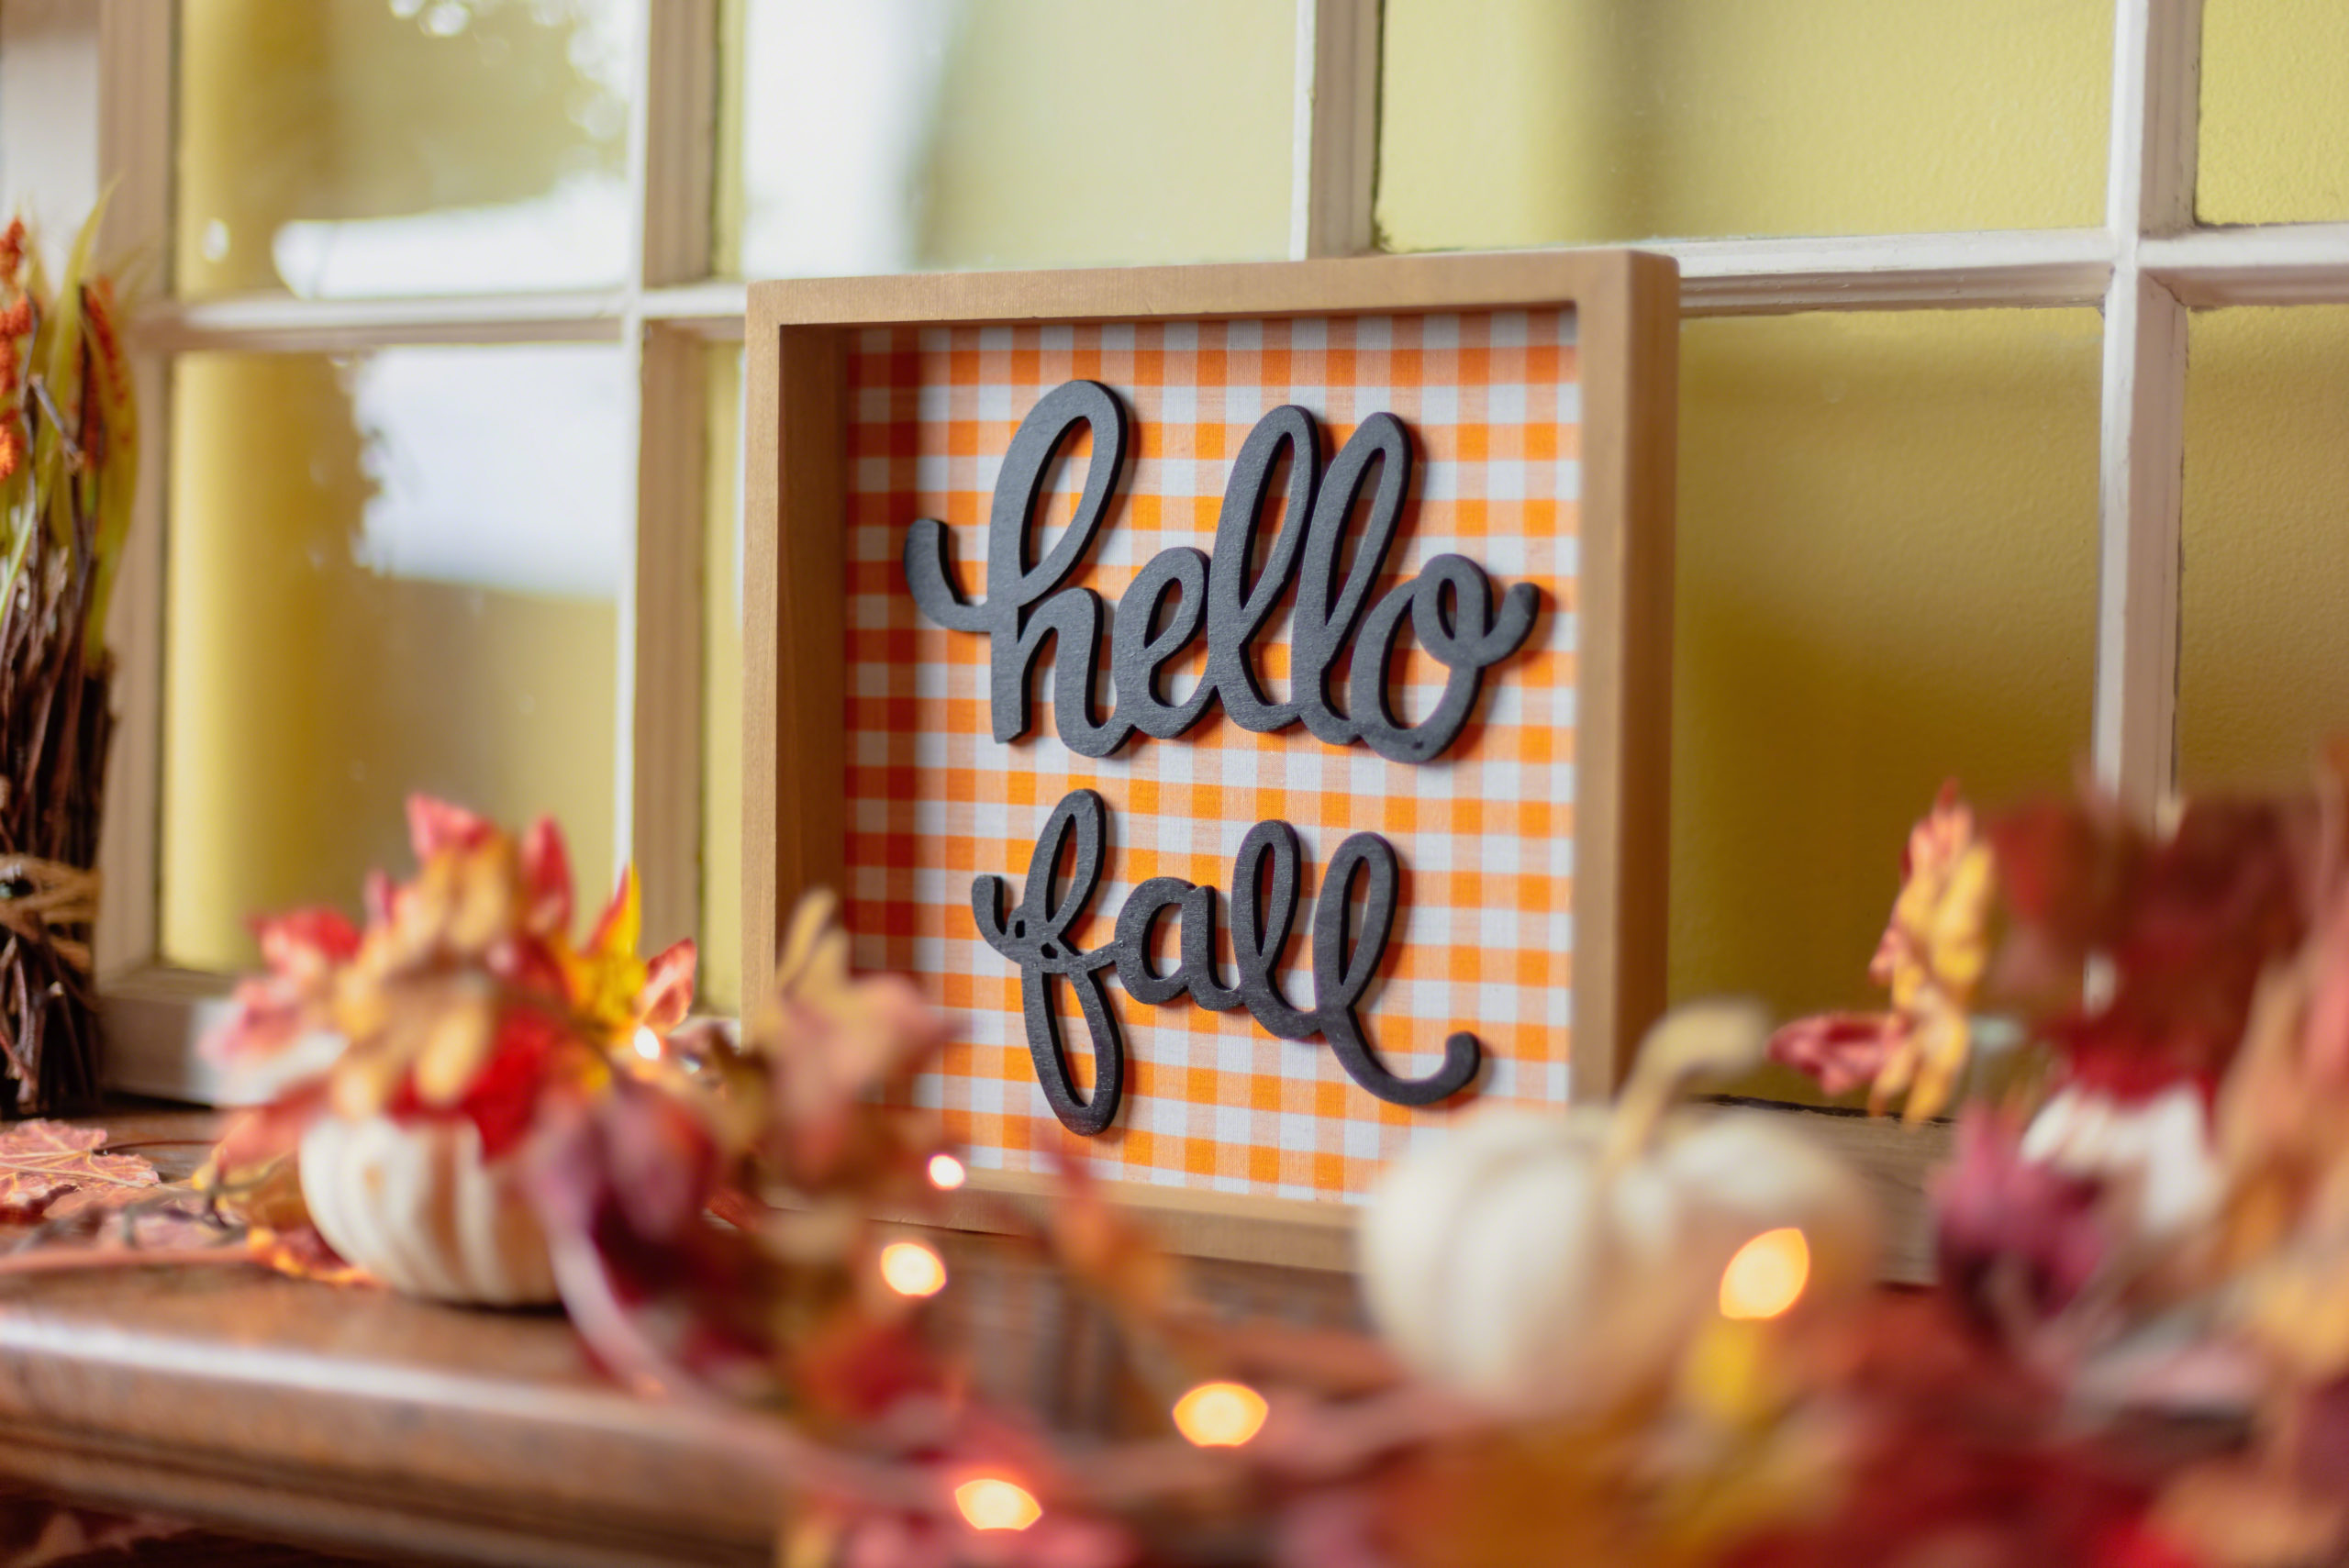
x=1886, y=578
x=1059, y=133
x=1075, y=133
x=2263, y=651
x=2274, y=112
x=305, y=695
x=335, y=109
x=1526, y=122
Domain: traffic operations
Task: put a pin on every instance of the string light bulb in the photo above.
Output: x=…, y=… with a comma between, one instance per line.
x=946, y=1172
x=911, y=1269
x=992, y=1503
x=1220, y=1414
x=1767, y=1275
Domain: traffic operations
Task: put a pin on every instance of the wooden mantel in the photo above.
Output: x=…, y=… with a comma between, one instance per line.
x=356, y=1419
x=349, y=1418
x=353, y=1418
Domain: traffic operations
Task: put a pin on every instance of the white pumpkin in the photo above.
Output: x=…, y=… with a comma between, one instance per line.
x=416, y=1205
x=1543, y=1263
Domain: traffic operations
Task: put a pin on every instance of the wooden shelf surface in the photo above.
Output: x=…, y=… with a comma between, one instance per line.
x=354, y=1419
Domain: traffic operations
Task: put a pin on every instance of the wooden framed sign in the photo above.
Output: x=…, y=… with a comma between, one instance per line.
x=1241, y=693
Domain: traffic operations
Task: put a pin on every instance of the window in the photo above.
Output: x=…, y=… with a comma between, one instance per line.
x=1941, y=446
x=448, y=348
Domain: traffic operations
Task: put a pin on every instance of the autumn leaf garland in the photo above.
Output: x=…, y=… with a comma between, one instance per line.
x=464, y=994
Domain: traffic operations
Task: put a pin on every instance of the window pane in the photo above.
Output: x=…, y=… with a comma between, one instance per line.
x=390, y=574
x=2263, y=651
x=721, y=752
x=1886, y=578
x=1524, y=122
x=920, y=135
x=2274, y=112
x=353, y=148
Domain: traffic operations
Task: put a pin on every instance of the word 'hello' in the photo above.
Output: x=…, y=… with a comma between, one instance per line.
x=1449, y=605
x=1034, y=935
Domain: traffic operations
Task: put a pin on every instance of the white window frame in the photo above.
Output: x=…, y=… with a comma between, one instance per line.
x=87, y=88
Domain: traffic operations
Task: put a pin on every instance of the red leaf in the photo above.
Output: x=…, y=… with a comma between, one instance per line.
x=306, y=937
x=1843, y=1050
x=435, y=825
x=2187, y=921
x=620, y=1181
x=35, y=1531
x=381, y=897
x=302, y=951
x=668, y=993
x=2004, y=1226
x=502, y=1102
x=271, y=1131
x=43, y=1161
x=546, y=876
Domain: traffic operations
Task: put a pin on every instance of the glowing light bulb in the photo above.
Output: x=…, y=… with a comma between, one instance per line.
x=648, y=1044
x=992, y=1503
x=946, y=1172
x=911, y=1269
x=1219, y=1415
x=1767, y=1274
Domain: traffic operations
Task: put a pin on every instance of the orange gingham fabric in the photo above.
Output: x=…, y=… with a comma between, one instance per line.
x=1482, y=936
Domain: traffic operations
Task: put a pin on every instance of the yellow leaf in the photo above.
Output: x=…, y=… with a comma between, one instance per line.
x=622, y=926
x=456, y=1044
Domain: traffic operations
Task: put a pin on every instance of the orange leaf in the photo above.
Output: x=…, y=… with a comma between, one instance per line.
x=303, y=1253
x=621, y=923
x=42, y=1161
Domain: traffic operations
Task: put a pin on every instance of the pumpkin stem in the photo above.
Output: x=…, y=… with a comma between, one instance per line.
x=1712, y=1039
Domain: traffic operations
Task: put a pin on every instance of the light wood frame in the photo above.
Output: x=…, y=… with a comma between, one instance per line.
x=795, y=636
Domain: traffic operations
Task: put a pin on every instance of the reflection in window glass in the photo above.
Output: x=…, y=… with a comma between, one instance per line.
x=722, y=753
x=390, y=574
x=343, y=148
x=918, y=135
x=2274, y=112
x=1526, y=122
x=2263, y=651
x=1886, y=578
